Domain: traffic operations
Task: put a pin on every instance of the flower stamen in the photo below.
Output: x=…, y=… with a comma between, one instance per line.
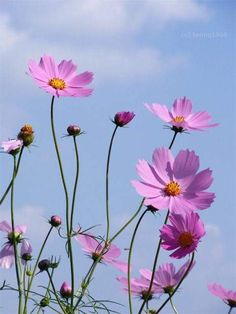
x=185, y=239
x=172, y=189
x=178, y=119
x=57, y=83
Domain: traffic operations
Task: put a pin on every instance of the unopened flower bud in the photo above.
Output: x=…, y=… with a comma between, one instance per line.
x=73, y=130
x=123, y=118
x=66, y=290
x=26, y=135
x=44, y=302
x=29, y=273
x=26, y=257
x=55, y=221
x=14, y=237
x=44, y=264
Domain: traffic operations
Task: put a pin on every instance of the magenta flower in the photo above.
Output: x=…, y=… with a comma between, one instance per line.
x=228, y=296
x=123, y=118
x=61, y=79
x=12, y=146
x=182, y=234
x=174, y=182
x=66, y=290
x=139, y=287
x=7, y=257
x=166, y=277
x=94, y=247
x=180, y=117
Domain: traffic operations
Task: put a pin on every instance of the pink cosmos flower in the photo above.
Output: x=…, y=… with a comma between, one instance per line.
x=66, y=290
x=7, y=257
x=123, y=118
x=139, y=287
x=61, y=79
x=182, y=234
x=174, y=182
x=181, y=117
x=94, y=247
x=12, y=146
x=166, y=277
x=228, y=296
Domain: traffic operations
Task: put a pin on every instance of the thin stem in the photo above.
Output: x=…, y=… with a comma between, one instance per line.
x=230, y=310
x=177, y=287
x=173, y=139
x=129, y=257
x=35, y=268
x=107, y=182
x=55, y=293
x=172, y=305
x=70, y=253
x=128, y=222
x=153, y=268
x=10, y=184
x=75, y=184
x=14, y=239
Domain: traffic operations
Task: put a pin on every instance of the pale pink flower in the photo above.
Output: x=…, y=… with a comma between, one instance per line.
x=122, y=118
x=182, y=234
x=60, y=79
x=181, y=117
x=228, y=296
x=174, y=182
x=94, y=247
x=7, y=257
x=166, y=277
x=12, y=146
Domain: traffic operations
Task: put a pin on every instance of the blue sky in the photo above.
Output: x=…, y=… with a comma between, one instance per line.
x=139, y=51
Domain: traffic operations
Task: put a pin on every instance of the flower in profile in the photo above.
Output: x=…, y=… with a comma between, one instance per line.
x=94, y=248
x=66, y=290
x=139, y=287
x=174, y=182
x=228, y=296
x=166, y=277
x=181, y=117
x=122, y=118
x=182, y=234
x=12, y=146
x=26, y=134
x=60, y=79
x=7, y=257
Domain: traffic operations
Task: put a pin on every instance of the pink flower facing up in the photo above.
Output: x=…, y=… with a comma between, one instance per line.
x=7, y=257
x=174, y=182
x=94, y=247
x=166, y=277
x=180, y=117
x=182, y=234
x=139, y=287
x=228, y=296
x=61, y=79
x=123, y=118
x=12, y=146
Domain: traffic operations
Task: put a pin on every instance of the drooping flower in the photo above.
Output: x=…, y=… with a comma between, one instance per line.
x=181, y=117
x=12, y=146
x=94, y=247
x=122, y=118
x=139, y=287
x=174, y=182
x=66, y=290
x=7, y=257
x=60, y=79
x=166, y=277
x=228, y=296
x=182, y=234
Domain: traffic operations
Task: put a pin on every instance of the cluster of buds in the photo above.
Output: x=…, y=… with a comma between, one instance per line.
x=26, y=135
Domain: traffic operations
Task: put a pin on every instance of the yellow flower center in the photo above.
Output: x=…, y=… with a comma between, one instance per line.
x=172, y=189
x=178, y=119
x=57, y=83
x=185, y=239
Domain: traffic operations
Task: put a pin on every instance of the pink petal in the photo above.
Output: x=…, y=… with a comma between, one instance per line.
x=163, y=162
x=145, y=189
x=186, y=164
x=66, y=69
x=80, y=80
x=160, y=111
x=7, y=258
x=5, y=227
x=48, y=64
x=37, y=72
x=148, y=174
x=182, y=107
x=201, y=182
x=200, y=121
x=123, y=266
x=159, y=202
x=21, y=229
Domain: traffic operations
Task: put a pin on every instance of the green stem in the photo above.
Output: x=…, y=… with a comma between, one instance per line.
x=107, y=182
x=177, y=287
x=172, y=304
x=35, y=268
x=230, y=310
x=129, y=257
x=70, y=253
x=173, y=139
x=75, y=184
x=128, y=222
x=10, y=184
x=153, y=269
x=14, y=240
